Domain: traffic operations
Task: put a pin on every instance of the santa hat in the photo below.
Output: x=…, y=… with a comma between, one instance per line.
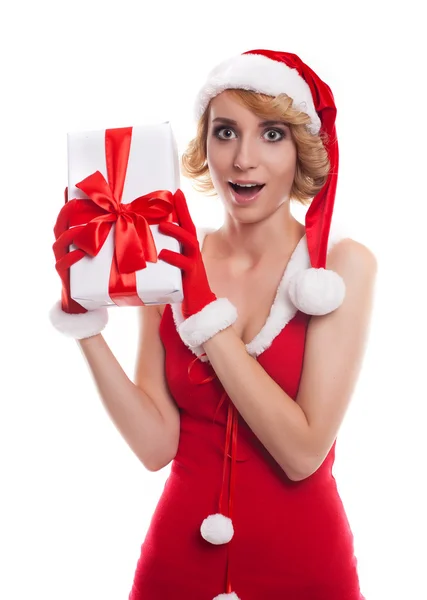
x=314, y=291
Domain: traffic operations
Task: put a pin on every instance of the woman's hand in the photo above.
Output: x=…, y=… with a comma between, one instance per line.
x=205, y=315
x=67, y=315
x=196, y=289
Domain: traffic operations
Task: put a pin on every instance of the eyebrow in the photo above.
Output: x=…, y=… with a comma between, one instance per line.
x=262, y=124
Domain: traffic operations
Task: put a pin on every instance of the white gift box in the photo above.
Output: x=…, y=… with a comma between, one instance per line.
x=152, y=165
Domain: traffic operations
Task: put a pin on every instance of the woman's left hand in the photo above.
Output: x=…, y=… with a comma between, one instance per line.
x=196, y=289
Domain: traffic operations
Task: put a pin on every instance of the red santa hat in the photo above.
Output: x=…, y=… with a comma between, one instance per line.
x=314, y=291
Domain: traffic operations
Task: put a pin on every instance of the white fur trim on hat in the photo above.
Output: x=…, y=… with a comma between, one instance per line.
x=317, y=291
x=231, y=596
x=260, y=74
x=217, y=529
x=78, y=326
x=212, y=319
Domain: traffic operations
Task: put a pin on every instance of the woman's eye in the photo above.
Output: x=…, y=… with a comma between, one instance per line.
x=224, y=133
x=274, y=135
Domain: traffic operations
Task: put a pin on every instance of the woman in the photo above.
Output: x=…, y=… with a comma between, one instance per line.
x=245, y=385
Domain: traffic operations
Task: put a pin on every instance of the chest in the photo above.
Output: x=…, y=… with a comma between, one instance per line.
x=252, y=292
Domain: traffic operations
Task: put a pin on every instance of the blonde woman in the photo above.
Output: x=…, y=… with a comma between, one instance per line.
x=244, y=385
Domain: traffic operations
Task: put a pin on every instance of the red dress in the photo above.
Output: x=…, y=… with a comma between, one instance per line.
x=292, y=540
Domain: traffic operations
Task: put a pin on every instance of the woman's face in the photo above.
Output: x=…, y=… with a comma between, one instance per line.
x=243, y=148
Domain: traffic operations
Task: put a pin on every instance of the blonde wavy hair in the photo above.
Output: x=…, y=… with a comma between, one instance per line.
x=312, y=166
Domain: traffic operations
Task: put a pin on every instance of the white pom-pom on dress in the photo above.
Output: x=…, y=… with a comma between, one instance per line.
x=217, y=529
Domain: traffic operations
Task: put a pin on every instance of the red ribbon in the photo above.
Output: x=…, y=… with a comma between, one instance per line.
x=86, y=223
x=230, y=440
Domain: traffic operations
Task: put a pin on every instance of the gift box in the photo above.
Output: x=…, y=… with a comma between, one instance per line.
x=127, y=178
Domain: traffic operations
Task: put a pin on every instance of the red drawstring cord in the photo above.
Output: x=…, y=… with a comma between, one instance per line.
x=230, y=439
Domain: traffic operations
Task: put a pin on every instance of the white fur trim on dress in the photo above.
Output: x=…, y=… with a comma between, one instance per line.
x=230, y=596
x=209, y=321
x=283, y=309
x=261, y=74
x=78, y=326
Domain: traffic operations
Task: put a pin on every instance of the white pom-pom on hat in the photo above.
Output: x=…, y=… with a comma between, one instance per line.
x=231, y=596
x=217, y=529
x=316, y=291
x=78, y=326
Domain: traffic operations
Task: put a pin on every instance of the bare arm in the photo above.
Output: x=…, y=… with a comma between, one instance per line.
x=139, y=410
x=299, y=434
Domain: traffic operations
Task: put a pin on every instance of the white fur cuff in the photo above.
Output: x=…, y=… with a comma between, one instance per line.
x=212, y=319
x=78, y=326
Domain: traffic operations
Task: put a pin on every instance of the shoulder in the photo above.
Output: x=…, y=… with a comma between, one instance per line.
x=352, y=260
x=357, y=266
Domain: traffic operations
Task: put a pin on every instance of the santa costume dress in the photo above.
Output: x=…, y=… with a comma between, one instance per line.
x=292, y=539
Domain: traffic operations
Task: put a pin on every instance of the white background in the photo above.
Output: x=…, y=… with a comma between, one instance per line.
x=75, y=502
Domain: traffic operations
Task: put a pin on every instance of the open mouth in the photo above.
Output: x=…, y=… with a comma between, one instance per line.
x=246, y=191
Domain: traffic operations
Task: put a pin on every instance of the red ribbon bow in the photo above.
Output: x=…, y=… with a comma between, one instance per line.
x=134, y=243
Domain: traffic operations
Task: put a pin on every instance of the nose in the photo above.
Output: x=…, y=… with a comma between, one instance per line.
x=246, y=156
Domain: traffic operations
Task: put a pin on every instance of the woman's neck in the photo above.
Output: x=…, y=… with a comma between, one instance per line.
x=252, y=244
